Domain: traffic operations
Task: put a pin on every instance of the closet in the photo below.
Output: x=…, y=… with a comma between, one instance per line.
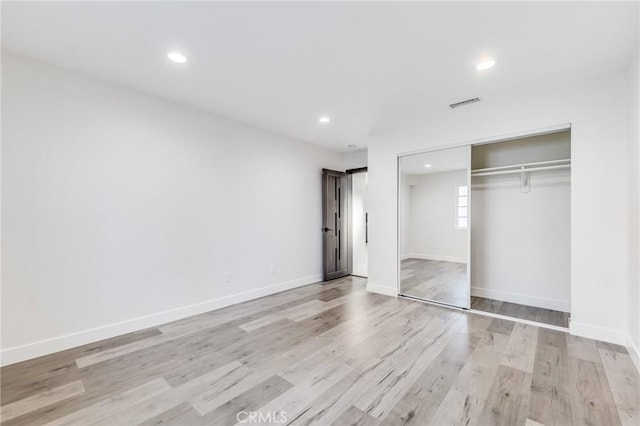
x=521, y=228
x=488, y=227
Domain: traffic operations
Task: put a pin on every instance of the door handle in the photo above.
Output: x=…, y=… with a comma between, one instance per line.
x=325, y=229
x=366, y=228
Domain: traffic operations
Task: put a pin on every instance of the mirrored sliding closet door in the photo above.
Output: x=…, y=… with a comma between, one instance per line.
x=434, y=226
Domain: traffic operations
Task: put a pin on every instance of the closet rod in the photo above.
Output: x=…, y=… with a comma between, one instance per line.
x=539, y=163
x=521, y=170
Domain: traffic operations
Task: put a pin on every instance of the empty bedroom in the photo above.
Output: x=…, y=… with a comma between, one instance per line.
x=320, y=213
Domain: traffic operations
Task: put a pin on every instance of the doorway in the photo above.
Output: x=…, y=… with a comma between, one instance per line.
x=359, y=218
x=345, y=223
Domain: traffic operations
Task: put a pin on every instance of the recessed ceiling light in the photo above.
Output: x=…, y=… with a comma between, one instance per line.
x=176, y=57
x=427, y=165
x=485, y=64
x=324, y=119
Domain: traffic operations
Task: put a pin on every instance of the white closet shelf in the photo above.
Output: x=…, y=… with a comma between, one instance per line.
x=524, y=167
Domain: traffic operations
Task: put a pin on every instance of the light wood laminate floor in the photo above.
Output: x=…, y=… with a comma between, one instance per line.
x=444, y=282
x=330, y=353
x=531, y=313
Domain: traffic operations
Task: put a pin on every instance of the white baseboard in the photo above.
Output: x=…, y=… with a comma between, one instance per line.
x=72, y=340
x=634, y=353
x=422, y=256
x=598, y=333
x=522, y=299
x=382, y=289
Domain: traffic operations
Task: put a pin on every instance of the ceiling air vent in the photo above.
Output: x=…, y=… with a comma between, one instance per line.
x=463, y=103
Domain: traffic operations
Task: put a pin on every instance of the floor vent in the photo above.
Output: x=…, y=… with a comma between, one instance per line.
x=463, y=103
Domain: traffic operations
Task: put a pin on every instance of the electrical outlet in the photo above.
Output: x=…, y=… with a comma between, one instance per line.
x=227, y=277
x=272, y=268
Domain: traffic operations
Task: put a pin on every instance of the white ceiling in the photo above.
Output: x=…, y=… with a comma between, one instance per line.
x=281, y=65
x=445, y=160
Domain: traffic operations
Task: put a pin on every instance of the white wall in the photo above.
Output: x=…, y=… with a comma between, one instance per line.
x=121, y=210
x=547, y=147
x=358, y=210
x=432, y=232
x=355, y=159
x=599, y=186
x=634, y=210
x=521, y=242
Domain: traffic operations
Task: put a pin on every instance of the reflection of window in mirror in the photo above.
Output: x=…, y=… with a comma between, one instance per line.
x=462, y=207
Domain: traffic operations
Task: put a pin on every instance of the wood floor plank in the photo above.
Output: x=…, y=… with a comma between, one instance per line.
x=338, y=355
x=457, y=409
x=213, y=398
x=355, y=417
x=329, y=406
x=419, y=402
x=295, y=401
x=309, y=313
x=102, y=409
x=351, y=342
x=243, y=312
x=592, y=400
x=178, y=360
x=476, y=377
x=521, y=349
x=395, y=386
x=391, y=335
x=270, y=304
x=550, y=400
x=517, y=311
x=501, y=326
x=252, y=400
x=147, y=409
x=108, y=354
x=297, y=372
x=290, y=313
x=624, y=380
x=555, y=339
x=485, y=304
x=31, y=377
x=507, y=401
x=43, y=399
x=189, y=342
x=181, y=415
x=475, y=323
x=88, y=398
x=582, y=348
x=288, y=334
x=551, y=317
x=611, y=347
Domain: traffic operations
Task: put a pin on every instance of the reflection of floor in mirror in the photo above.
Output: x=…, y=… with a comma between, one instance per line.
x=444, y=282
x=531, y=313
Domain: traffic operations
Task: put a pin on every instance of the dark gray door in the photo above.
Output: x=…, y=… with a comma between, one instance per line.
x=335, y=224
